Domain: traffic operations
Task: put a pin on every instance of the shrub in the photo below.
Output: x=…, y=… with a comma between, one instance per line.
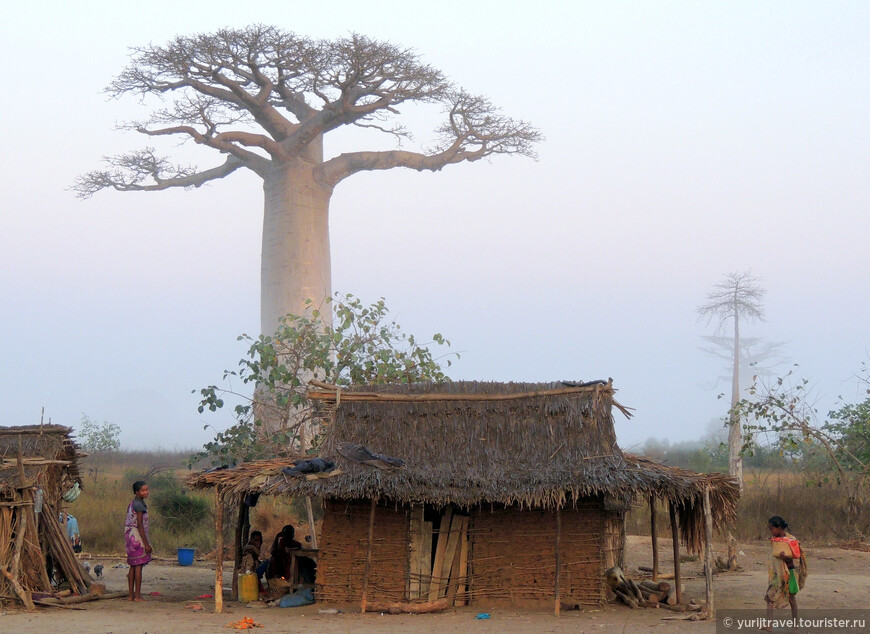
x=178, y=510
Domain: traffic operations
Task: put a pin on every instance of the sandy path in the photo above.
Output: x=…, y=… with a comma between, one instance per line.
x=830, y=568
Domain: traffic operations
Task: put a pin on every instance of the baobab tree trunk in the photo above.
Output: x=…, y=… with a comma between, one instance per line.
x=295, y=261
x=295, y=258
x=735, y=435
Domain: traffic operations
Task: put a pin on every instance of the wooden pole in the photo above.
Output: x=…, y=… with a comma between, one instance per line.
x=246, y=525
x=708, y=552
x=23, y=594
x=20, y=529
x=654, y=534
x=237, y=548
x=368, y=567
x=219, y=551
x=558, y=591
x=675, y=532
x=311, y=530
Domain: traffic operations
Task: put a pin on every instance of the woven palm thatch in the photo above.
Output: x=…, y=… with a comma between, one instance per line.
x=469, y=443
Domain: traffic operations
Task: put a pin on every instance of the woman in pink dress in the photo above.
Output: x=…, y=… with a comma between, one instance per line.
x=136, y=539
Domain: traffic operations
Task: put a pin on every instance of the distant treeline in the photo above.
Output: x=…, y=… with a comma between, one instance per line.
x=711, y=455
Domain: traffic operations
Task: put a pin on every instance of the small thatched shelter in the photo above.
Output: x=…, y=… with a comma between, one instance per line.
x=38, y=464
x=508, y=493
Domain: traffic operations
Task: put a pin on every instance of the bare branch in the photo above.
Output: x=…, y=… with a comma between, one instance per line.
x=739, y=295
x=474, y=130
x=231, y=89
x=145, y=171
x=400, y=132
x=356, y=78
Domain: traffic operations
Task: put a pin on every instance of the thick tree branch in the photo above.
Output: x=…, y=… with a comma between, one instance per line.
x=226, y=142
x=337, y=169
x=145, y=171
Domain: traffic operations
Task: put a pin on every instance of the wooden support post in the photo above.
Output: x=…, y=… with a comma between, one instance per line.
x=311, y=530
x=22, y=479
x=708, y=552
x=219, y=550
x=20, y=530
x=237, y=548
x=368, y=566
x=675, y=532
x=21, y=526
x=558, y=590
x=246, y=525
x=654, y=535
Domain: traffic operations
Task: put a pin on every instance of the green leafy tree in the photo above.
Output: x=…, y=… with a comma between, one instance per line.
x=363, y=346
x=783, y=408
x=93, y=436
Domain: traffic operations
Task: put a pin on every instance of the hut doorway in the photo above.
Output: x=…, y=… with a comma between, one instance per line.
x=438, y=558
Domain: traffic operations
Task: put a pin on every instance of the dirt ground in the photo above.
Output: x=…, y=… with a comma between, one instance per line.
x=838, y=579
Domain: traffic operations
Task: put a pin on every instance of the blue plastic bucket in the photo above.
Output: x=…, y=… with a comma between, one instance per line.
x=185, y=556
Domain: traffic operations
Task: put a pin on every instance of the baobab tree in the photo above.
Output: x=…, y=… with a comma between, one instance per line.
x=736, y=298
x=265, y=98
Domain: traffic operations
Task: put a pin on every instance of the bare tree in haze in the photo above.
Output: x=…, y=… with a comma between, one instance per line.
x=265, y=98
x=757, y=356
x=737, y=298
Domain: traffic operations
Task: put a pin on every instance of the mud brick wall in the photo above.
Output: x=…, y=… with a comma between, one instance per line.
x=512, y=555
x=342, y=557
x=614, y=539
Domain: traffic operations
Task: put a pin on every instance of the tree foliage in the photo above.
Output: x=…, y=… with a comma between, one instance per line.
x=94, y=436
x=262, y=96
x=363, y=346
x=784, y=410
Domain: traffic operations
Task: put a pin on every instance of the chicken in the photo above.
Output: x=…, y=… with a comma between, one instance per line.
x=98, y=570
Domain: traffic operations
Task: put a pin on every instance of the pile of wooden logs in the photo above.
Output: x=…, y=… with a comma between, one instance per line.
x=646, y=594
x=58, y=546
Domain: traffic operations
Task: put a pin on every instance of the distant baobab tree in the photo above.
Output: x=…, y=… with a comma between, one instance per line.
x=265, y=98
x=737, y=298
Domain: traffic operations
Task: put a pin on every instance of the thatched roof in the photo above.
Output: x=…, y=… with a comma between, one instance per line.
x=49, y=450
x=686, y=489
x=469, y=443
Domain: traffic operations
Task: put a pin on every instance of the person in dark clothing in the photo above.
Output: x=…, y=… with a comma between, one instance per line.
x=280, y=561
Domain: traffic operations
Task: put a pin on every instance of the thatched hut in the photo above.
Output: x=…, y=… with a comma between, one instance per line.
x=507, y=493
x=38, y=464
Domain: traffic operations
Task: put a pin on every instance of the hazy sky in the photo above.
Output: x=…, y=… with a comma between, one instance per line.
x=685, y=140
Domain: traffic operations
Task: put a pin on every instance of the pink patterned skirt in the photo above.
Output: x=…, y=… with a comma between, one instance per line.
x=136, y=555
